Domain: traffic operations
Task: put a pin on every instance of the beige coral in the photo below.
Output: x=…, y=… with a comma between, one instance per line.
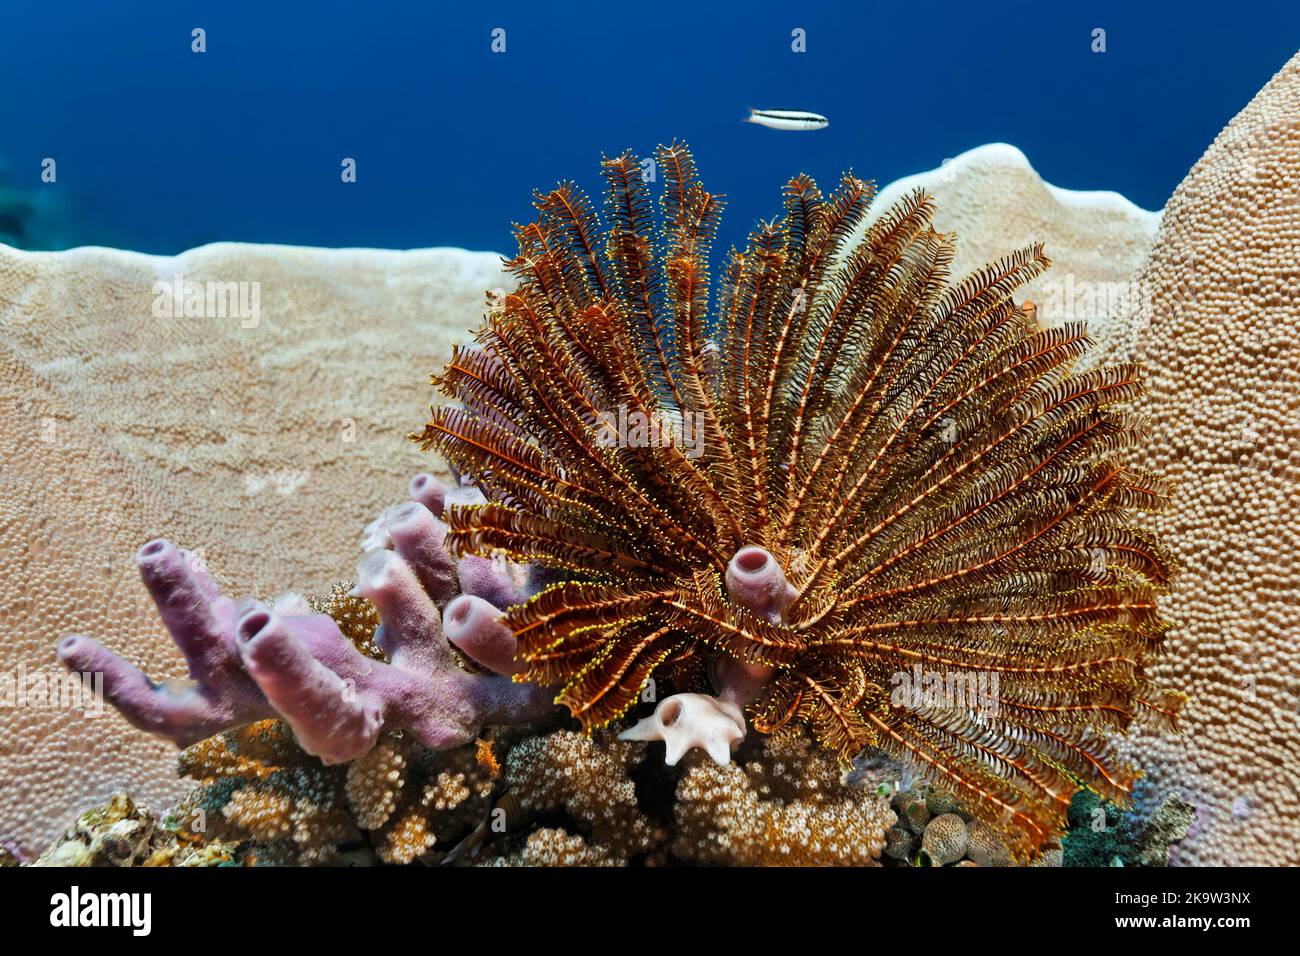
x=995, y=201
x=983, y=846
x=256, y=785
x=784, y=806
x=913, y=809
x=900, y=843
x=550, y=846
x=438, y=799
x=944, y=840
x=266, y=446
x=258, y=788
x=586, y=777
x=375, y=781
x=1221, y=337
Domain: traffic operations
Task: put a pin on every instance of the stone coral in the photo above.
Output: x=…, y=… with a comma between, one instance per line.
x=399, y=803
x=417, y=803
x=589, y=780
x=259, y=789
x=992, y=197
x=549, y=846
x=267, y=446
x=944, y=840
x=1220, y=333
x=935, y=829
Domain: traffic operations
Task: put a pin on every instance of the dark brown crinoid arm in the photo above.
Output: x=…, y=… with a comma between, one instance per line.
x=945, y=491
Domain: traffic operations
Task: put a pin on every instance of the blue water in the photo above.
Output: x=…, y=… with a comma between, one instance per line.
x=159, y=148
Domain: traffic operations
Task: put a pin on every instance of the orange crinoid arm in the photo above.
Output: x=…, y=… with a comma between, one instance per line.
x=946, y=493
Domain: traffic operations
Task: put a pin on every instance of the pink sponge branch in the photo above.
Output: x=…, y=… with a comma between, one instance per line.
x=202, y=623
x=418, y=536
x=756, y=581
x=428, y=491
x=328, y=714
x=249, y=662
x=411, y=632
x=489, y=580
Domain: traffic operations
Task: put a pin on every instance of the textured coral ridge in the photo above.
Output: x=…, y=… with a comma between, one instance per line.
x=265, y=447
x=885, y=473
x=1222, y=338
x=249, y=661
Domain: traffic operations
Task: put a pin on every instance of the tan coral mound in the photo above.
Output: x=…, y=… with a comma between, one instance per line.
x=72, y=512
x=995, y=201
x=1222, y=340
x=267, y=447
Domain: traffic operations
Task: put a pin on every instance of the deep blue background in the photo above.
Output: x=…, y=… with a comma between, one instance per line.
x=159, y=148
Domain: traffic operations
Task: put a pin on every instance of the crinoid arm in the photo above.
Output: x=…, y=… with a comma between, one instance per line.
x=944, y=495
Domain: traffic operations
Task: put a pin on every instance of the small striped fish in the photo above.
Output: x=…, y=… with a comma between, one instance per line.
x=786, y=119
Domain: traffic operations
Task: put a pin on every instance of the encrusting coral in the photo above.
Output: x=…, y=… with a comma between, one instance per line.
x=555, y=847
x=945, y=838
x=888, y=473
x=588, y=779
x=935, y=829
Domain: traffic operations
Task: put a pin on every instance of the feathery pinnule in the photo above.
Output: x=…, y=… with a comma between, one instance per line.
x=939, y=485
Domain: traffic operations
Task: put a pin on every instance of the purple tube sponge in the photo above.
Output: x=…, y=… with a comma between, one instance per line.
x=755, y=581
x=716, y=725
x=248, y=662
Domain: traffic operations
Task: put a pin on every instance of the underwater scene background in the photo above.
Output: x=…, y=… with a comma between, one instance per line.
x=453, y=436
x=160, y=149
